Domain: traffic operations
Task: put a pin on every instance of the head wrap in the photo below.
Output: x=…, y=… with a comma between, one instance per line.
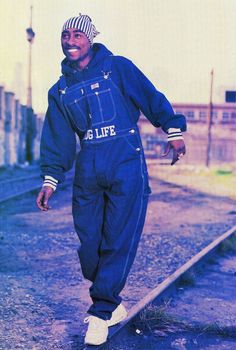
x=84, y=24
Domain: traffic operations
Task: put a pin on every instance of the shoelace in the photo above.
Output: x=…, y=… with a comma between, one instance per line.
x=95, y=320
x=87, y=319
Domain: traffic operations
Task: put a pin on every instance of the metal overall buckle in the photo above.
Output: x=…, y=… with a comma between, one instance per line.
x=62, y=91
x=106, y=74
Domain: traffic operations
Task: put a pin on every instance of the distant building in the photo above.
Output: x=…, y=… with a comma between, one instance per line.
x=223, y=133
x=20, y=130
x=224, y=113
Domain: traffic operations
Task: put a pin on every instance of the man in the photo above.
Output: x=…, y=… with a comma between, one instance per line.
x=99, y=97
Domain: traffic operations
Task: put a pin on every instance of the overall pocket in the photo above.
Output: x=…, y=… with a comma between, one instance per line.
x=135, y=145
x=101, y=102
x=76, y=105
x=133, y=142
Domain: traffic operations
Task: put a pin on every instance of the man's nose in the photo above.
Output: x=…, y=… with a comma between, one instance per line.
x=71, y=41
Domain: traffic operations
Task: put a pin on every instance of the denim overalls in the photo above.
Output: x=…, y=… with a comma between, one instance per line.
x=110, y=191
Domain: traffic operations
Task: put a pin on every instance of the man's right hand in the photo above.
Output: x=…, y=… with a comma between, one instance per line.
x=43, y=197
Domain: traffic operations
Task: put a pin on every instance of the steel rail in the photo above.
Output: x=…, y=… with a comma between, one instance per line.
x=8, y=195
x=167, y=287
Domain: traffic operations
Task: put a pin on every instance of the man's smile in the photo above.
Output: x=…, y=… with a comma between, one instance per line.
x=73, y=49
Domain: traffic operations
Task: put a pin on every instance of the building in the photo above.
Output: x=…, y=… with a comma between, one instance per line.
x=224, y=113
x=223, y=132
x=20, y=130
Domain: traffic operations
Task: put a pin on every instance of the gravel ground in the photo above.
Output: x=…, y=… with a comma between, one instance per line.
x=14, y=180
x=43, y=297
x=12, y=172
x=199, y=315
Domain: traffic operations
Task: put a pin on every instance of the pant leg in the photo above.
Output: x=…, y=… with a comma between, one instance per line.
x=125, y=210
x=88, y=214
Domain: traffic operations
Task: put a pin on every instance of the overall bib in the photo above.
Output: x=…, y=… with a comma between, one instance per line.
x=110, y=190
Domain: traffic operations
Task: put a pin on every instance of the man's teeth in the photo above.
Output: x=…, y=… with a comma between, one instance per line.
x=72, y=50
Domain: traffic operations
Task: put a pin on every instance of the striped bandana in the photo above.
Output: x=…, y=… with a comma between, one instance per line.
x=84, y=24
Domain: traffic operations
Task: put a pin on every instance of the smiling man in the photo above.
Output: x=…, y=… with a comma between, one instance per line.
x=76, y=46
x=100, y=97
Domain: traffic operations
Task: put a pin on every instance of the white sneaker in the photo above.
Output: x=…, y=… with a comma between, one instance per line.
x=118, y=315
x=97, y=331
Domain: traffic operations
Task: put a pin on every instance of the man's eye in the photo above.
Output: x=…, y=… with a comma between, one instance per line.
x=77, y=36
x=65, y=36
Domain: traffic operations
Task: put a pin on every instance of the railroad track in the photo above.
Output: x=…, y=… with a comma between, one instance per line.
x=133, y=331
x=202, y=289
x=18, y=186
x=10, y=189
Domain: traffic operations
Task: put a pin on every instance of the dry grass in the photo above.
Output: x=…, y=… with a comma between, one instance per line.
x=220, y=181
x=156, y=319
x=229, y=246
x=188, y=279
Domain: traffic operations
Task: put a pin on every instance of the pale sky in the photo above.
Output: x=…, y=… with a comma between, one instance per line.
x=175, y=43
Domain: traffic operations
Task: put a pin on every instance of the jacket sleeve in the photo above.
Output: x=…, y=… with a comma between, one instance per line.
x=58, y=141
x=152, y=103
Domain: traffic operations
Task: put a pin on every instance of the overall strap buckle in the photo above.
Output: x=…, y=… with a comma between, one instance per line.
x=62, y=85
x=107, y=67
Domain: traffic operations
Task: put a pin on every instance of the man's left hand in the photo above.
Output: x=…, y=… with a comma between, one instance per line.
x=179, y=150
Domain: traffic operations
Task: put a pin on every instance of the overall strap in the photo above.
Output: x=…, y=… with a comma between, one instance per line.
x=62, y=84
x=107, y=66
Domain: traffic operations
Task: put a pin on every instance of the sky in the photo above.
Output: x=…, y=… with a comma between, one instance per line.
x=176, y=43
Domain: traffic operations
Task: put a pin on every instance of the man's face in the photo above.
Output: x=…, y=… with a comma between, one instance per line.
x=75, y=44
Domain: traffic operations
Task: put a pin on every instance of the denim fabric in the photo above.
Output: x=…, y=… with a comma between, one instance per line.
x=110, y=191
x=91, y=95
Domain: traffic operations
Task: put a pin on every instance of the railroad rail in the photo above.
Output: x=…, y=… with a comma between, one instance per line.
x=18, y=186
x=12, y=188
x=168, y=288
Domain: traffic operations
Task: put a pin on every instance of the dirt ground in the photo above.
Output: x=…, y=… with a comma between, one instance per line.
x=43, y=296
x=200, y=315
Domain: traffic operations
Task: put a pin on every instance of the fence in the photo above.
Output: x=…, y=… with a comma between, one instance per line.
x=20, y=130
x=223, y=145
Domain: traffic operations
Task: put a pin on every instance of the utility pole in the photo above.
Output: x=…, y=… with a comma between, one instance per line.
x=30, y=37
x=209, y=123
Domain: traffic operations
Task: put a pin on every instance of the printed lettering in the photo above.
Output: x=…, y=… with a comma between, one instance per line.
x=97, y=134
x=112, y=130
x=89, y=135
x=106, y=129
x=102, y=132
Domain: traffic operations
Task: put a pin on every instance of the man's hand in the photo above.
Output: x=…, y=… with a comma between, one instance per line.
x=43, y=197
x=179, y=150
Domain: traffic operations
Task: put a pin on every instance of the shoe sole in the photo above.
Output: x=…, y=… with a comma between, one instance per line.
x=117, y=321
x=94, y=344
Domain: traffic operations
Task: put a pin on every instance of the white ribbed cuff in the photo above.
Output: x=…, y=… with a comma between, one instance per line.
x=50, y=182
x=174, y=134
